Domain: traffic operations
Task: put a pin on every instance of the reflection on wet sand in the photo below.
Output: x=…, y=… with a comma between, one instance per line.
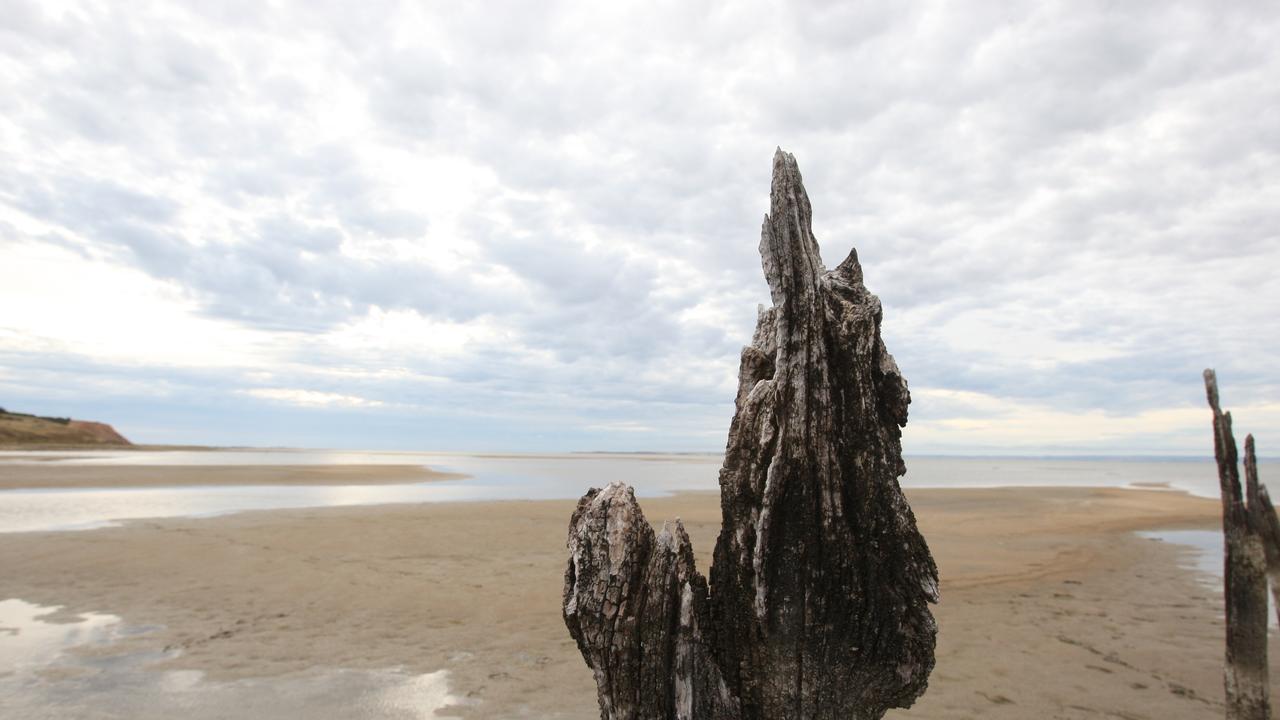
x=58, y=665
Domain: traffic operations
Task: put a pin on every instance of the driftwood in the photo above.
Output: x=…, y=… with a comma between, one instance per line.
x=1245, y=523
x=818, y=606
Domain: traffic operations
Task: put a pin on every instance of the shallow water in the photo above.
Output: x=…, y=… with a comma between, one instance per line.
x=1206, y=546
x=58, y=666
x=499, y=477
x=489, y=478
x=32, y=636
x=1206, y=558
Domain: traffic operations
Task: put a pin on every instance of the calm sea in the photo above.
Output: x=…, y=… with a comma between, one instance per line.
x=510, y=477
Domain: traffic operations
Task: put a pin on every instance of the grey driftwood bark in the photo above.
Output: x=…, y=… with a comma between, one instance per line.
x=818, y=604
x=1244, y=525
x=1271, y=525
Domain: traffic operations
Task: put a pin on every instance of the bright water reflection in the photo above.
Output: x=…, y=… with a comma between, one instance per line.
x=504, y=477
x=32, y=636
x=40, y=678
x=489, y=478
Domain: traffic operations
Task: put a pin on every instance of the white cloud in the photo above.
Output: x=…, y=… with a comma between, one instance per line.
x=61, y=303
x=311, y=398
x=619, y=427
x=520, y=212
x=974, y=423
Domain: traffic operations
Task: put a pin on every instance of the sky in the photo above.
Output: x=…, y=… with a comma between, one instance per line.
x=534, y=225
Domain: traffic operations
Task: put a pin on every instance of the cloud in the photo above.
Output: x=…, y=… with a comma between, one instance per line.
x=311, y=398
x=553, y=217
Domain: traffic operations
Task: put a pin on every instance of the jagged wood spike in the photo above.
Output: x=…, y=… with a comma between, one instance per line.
x=821, y=580
x=1244, y=573
x=818, y=554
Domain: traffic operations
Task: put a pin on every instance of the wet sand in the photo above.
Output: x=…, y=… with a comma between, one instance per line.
x=44, y=474
x=1051, y=607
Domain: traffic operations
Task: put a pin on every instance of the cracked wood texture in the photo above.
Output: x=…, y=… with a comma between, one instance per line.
x=1244, y=526
x=818, y=605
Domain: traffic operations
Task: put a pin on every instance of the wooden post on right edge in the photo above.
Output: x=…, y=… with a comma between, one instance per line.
x=1269, y=523
x=1245, y=576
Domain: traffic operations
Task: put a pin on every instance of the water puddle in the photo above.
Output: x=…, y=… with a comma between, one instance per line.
x=59, y=665
x=32, y=637
x=1206, y=559
x=1206, y=546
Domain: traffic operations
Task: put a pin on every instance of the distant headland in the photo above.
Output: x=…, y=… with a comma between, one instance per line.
x=23, y=430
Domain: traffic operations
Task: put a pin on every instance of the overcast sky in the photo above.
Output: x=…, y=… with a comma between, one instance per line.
x=533, y=225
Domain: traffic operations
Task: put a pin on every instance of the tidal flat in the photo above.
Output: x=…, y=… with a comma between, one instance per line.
x=1052, y=604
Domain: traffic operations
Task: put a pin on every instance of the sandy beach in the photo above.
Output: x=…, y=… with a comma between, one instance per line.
x=1051, y=605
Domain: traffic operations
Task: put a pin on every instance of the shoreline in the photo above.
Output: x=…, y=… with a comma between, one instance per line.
x=50, y=475
x=694, y=470
x=1050, y=602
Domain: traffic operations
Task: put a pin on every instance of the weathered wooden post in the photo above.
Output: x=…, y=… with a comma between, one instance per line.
x=818, y=606
x=1244, y=576
x=1270, y=529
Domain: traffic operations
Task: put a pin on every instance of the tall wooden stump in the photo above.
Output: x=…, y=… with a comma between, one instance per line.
x=818, y=606
x=1245, y=569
